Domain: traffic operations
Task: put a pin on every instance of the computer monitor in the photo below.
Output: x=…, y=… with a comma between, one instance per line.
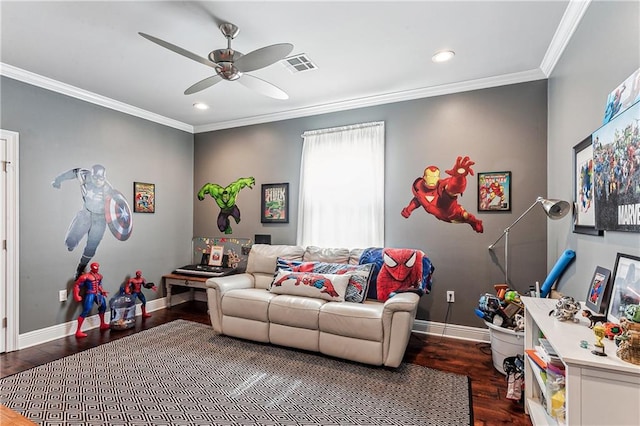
x=262, y=239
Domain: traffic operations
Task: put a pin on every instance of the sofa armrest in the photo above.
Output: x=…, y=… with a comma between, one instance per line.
x=402, y=302
x=217, y=287
x=398, y=315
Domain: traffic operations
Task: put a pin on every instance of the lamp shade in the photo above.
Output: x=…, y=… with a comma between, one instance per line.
x=555, y=209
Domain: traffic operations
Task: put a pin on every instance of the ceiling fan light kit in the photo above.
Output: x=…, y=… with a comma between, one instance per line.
x=231, y=65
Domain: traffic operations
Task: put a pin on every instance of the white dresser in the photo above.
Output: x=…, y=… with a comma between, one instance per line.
x=599, y=390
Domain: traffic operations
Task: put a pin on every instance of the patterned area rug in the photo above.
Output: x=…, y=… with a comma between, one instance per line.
x=181, y=373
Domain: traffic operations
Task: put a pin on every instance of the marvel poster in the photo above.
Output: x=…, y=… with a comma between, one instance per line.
x=616, y=157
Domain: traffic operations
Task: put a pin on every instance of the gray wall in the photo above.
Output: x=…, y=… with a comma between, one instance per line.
x=58, y=133
x=501, y=129
x=602, y=53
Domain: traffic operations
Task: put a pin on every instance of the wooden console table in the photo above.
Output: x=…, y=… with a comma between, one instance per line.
x=190, y=281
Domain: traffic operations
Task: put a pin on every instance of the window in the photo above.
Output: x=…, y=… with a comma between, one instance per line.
x=341, y=202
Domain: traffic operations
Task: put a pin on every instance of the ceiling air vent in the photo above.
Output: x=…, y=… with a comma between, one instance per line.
x=299, y=63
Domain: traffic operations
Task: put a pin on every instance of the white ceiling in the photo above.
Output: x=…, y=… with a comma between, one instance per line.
x=367, y=52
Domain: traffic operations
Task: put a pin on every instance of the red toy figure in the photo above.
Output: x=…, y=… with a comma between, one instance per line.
x=439, y=197
x=94, y=293
x=134, y=287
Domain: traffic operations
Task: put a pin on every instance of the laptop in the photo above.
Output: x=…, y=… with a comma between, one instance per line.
x=205, y=270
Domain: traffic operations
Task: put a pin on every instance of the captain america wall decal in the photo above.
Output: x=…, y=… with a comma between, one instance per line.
x=102, y=206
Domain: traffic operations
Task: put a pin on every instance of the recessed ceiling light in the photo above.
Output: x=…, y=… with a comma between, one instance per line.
x=443, y=56
x=200, y=105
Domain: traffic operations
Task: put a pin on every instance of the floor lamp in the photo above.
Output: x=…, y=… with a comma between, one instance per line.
x=555, y=209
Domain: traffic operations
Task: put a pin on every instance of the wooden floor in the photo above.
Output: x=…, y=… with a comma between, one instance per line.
x=489, y=387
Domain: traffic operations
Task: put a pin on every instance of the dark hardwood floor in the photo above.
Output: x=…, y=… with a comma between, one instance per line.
x=488, y=387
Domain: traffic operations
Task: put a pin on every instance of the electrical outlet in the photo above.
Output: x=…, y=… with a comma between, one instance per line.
x=451, y=296
x=62, y=295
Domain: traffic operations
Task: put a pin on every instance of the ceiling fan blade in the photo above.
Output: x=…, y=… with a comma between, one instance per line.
x=263, y=57
x=263, y=87
x=203, y=84
x=179, y=50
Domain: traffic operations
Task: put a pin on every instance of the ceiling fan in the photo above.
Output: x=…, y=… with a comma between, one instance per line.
x=232, y=65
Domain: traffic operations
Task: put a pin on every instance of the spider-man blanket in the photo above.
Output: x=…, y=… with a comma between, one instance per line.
x=397, y=270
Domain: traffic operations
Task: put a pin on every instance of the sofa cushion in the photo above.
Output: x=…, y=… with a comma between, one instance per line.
x=359, y=275
x=249, y=303
x=331, y=255
x=355, y=320
x=295, y=311
x=262, y=257
x=262, y=261
x=327, y=287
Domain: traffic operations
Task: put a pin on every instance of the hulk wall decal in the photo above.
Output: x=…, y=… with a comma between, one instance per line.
x=225, y=198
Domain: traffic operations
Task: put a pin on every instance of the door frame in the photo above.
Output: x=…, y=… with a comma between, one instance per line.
x=11, y=255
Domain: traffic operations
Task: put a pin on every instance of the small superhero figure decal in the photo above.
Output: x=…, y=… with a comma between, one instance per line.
x=225, y=198
x=439, y=197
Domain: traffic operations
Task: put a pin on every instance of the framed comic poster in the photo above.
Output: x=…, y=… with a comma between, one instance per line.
x=274, y=203
x=617, y=183
x=494, y=191
x=598, y=294
x=625, y=289
x=584, y=206
x=144, y=197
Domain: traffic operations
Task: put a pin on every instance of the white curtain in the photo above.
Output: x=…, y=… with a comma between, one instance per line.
x=341, y=200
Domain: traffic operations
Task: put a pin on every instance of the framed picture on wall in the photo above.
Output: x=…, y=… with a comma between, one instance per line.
x=625, y=286
x=144, y=197
x=598, y=294
x=274, y=205
x=494, y=191
x=584, y=205
x=615, y=180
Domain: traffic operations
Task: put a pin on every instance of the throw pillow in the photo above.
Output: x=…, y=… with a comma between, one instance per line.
x=359, y=275
x=320, y=286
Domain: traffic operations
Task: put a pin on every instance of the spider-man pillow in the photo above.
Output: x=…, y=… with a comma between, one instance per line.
x=359, y=275
x=330, y=287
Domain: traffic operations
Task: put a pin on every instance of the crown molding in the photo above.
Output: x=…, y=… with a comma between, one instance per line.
x=84, y=95
x=568, y=24
x=407, y=95
x=445, y=89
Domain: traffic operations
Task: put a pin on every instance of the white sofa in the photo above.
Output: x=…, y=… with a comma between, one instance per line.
x=370, y=332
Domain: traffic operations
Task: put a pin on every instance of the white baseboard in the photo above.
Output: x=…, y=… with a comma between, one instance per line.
x=48, y=334
x=454, y=331
x=58, y=331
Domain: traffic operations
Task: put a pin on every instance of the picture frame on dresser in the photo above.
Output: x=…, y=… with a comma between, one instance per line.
x=215, y=255
x=599, y=289
x=625, y=286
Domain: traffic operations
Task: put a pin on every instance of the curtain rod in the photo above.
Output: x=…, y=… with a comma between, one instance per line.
x=343, y=128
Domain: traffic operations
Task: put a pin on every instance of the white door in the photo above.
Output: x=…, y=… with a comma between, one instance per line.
x=9, y=241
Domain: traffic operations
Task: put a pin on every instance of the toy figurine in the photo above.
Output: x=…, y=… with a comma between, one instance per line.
x=134, y=288
x=565, y=309
x=594, y=319
x=94, y=293
x=598, y=330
